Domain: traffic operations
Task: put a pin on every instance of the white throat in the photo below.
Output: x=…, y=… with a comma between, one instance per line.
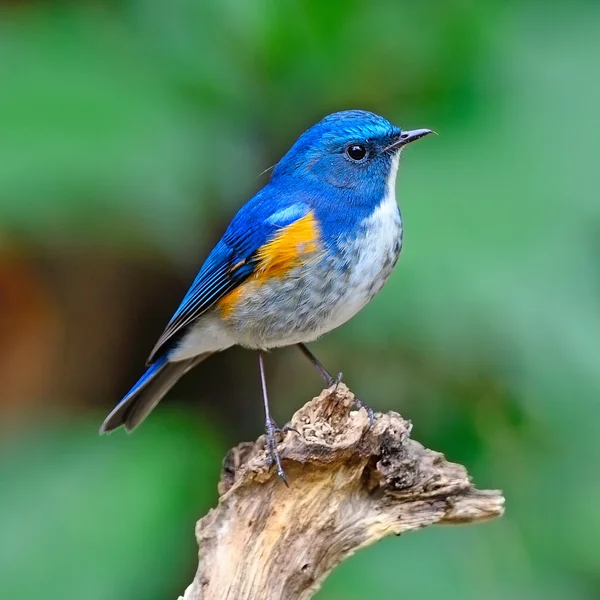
x=388, y=205
x=390, y=187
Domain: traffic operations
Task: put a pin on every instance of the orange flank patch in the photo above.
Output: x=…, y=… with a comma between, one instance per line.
x=288, y=248
x=228, y=302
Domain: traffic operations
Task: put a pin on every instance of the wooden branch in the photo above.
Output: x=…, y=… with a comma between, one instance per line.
x=349, y=486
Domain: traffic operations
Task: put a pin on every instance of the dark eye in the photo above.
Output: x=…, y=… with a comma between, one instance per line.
x=356, y=152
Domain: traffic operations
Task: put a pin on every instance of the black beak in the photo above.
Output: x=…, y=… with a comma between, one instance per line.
x=406, y=137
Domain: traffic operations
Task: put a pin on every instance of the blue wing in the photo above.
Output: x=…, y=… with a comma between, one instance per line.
x=231, y=262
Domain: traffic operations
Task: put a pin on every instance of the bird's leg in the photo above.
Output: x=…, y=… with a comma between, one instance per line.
x=330, y=380
x=323, y=372
x=270, y=426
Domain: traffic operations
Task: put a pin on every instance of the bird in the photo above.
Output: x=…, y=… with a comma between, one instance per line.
x=299, y=259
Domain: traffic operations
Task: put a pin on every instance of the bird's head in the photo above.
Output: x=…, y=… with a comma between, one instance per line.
x=353, y=149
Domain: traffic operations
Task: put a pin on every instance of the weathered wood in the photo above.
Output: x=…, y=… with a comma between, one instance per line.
x=349, y=486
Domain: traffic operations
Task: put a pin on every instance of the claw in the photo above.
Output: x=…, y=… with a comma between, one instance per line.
x=359, y=403
x=331, y=381
x=282, y=430
x=338, y=380
x=287, y=427
x=274, y=458
x=370, y=411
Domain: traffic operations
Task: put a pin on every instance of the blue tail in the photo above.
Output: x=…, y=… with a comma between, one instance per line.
x=149, y=390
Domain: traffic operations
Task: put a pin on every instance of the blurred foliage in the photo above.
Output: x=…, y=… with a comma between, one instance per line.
x=122, y=123
x=85, y=519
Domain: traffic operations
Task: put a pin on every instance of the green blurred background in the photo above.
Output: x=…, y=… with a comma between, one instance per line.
x=131, y=131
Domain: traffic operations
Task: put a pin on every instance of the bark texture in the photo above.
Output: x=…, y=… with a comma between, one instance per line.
x=349, y=486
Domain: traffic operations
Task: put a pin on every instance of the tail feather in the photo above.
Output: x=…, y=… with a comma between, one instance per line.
x=149, y=390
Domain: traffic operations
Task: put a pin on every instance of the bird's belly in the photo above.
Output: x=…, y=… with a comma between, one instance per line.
x=320, y=295
x=374, y=255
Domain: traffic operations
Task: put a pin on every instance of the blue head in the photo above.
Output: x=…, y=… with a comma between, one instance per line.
x=353, y=150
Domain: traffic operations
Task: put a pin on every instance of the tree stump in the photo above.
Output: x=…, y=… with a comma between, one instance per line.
x=350, y=484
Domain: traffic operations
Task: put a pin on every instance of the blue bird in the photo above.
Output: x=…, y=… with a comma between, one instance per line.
x=303, y=256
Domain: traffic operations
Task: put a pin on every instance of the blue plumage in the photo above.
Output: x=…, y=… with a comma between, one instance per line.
x=231, y=261
x=330, y=206
x=151, y=372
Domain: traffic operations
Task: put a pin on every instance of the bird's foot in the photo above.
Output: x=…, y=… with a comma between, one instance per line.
x=334, y=381
x=370, y=412
x=283, y=430
x=358, y=403
x=271, y=430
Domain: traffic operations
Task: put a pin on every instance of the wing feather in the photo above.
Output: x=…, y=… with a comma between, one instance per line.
x=231, y=262
x=207, y=289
